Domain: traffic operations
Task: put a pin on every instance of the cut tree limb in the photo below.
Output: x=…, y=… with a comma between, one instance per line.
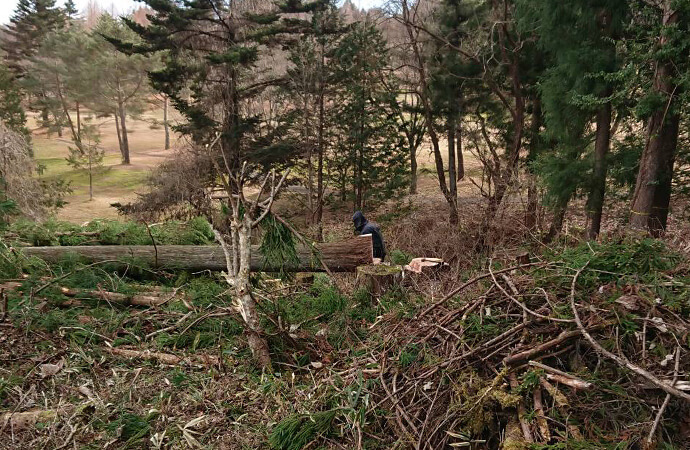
x=149, y=299
x=344, y=256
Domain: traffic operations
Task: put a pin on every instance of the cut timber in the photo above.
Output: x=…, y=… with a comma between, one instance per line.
x=165, y=358
x=343, y=256
x=426, y=265
x=19, y=421
x=117, y=297
x=378, y=278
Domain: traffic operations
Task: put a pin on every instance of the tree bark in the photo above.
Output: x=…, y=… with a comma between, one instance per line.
x=166, y=125
x=428, y=113
x=452, y=177
x=652, y=196
x=461, y=158
x=124, y=149
x=244, y=298
x=601, y=150
x=343, y=256
x=78, y=119
x=557, y=223
x=320, y=145
x=119, y=133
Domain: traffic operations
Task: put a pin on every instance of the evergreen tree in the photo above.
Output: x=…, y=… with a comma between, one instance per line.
x=371, y=155
x=120, y=80
x=660, y=46
x=89, y=155
x=209, y=73
x=579, y=38
x=11, y=110
x=63, y=75
x=31, y=22
x=310, y=85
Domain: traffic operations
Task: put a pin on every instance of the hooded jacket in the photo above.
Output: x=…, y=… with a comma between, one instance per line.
x=363, y=226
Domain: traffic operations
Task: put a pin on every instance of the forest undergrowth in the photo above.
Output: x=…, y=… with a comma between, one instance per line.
x=583, y=347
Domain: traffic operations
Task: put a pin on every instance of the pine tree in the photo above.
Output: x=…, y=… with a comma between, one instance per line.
x=371, y=155
x=209, y=73
x=579, y=38
x=11, y=110
x=88, y=156
x=122, y=85
x=662, y=45
x=31, y=22
x=310, y=84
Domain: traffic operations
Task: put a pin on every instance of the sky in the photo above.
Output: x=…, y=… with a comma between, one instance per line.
x=123, y=6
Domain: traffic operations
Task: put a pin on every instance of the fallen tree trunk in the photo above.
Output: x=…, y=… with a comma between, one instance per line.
x=343, y=256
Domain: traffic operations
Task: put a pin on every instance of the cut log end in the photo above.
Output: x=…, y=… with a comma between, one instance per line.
x=377, y=279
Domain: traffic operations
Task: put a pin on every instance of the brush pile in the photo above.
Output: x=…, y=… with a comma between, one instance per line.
x=587, y=348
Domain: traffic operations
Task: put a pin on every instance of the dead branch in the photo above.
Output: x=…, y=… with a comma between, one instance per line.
x=621, y=361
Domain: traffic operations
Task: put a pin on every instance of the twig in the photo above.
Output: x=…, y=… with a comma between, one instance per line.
x=457, y=290
x=55, y=280
x=520, y=304
x=657, y=420
x=574, y=382
x=69, y=438
x=171, y=327
x=622, y=361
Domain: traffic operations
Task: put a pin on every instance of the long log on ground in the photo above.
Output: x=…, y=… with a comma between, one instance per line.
x=344, y=256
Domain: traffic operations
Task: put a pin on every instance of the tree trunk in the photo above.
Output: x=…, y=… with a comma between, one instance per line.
x=601, y=150
x=413, y=169
x=452, y=178
x=343, y=256
x=166, y=125
x=652, y=196
x=427, y=109
x=535, y=140
x=557, y=223
x=124, y=149
x=78, y=119
x=320, y=145
x=244, y=298
x=376, y=279
x=119, y=133
x=461, y=158
x=90, y=174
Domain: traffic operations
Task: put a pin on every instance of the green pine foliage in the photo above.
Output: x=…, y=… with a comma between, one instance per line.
x=371, y=155
x=31, y=22
x=11, y=110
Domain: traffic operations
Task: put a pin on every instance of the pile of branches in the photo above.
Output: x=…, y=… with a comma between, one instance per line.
x=585, y=350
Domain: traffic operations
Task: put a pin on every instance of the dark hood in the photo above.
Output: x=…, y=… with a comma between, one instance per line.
x=359, y=221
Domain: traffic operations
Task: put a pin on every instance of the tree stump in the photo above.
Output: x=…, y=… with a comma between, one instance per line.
x=426, y=266
x=378, y=278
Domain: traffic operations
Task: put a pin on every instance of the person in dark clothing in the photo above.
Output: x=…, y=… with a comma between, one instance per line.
x=363, y=226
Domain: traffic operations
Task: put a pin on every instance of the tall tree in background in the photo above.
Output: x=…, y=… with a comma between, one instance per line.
x=309, y=87
x=580, y=39
x=31, y=22
x=371, y=154
x=11, y=110
x=122, y=82
x=208, y=73
x=665, y=32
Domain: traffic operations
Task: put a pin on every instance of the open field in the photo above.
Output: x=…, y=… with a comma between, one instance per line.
x=116, y=182
x=121, y=183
